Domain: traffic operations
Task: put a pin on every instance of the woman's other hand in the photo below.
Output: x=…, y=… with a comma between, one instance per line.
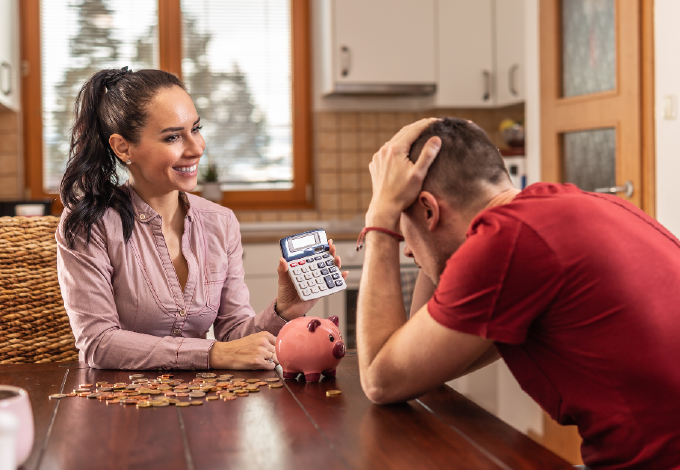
x=289, y=305
x=252, y=352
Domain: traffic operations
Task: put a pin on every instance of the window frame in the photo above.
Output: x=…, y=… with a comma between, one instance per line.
x=300, y=196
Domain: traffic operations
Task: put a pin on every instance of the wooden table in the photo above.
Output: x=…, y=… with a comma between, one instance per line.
x=295, y=427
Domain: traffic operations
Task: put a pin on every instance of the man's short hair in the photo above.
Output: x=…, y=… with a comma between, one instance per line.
x=466, y=161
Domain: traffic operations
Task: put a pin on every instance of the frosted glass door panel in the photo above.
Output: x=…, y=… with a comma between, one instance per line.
x=590, y=158
x=588, y=46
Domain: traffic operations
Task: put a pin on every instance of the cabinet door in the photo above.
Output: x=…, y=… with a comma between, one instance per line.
x=509, y=51
x=384, y=41
x=9, y=54
x=465, y=53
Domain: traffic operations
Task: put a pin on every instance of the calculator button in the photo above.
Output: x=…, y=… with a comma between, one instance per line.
x=307, y=291
x=323, y=287
x=328, y=279
x=301, y=262
x=316, y=273
x=338, y=282
x=329, y=262
x=336, y=276
x=326, y=255
x=299, y=278
x=332, y=269
x=330, y=285
x=308, y=276
x=292, y=265
x=305, y=269
x=319, y=280
x=310, y=260
x=324, y=271
x=317, y=258
x=315, y=289
x=297, y=270
x=312, y=267
x=321, y=265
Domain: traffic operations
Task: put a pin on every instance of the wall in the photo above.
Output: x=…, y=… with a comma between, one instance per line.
x=667, y=83
x=11, y=166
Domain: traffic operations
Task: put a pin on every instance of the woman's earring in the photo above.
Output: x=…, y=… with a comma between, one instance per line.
x=128, y=162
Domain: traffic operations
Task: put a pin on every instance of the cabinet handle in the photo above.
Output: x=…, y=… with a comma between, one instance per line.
x=511, y=80
x=345, y=60
x=6, y=66
x=627, y=188
x=487, y=85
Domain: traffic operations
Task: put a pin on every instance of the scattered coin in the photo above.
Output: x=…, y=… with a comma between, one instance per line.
x=83, y=394
x=144, y=405
x=160, y=404
x=71, y=394
x=252, y=387
x=183, y=404
x=113, y=402
x=272, y=379
x=99, y=384
x=195, y=403
x=197, y=394
x=81, y=390
x=85, y=385
x=212, y=398
x=136, y=376
x=278, y=385
x=173, y=401
x=129, y=401
x=260, y=383
x=252, y=381
x=94, y=395
x=181, y=395
x=229, y=398
x=333, y=393
x=58, y=395
x=154, y=392
x=105, y=389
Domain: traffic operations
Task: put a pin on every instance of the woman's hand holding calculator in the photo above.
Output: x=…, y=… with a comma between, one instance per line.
x=289, y=305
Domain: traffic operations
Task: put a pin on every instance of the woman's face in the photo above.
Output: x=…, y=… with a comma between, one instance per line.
x=166, y=157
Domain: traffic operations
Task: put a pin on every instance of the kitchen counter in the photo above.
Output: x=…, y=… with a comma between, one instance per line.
x=272, y=232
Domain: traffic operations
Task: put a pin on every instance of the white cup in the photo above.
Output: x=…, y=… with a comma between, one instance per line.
x=9, y=425
x=14, y=400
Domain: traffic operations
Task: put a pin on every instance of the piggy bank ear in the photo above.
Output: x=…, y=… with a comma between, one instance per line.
x=312, y=325
x=335, y=320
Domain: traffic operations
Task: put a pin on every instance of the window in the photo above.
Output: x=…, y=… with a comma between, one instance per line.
x=246, y=65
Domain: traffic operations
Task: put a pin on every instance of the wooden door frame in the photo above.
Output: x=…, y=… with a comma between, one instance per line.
x=634, y=94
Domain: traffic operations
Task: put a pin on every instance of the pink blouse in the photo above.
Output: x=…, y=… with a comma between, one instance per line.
x=124, y=300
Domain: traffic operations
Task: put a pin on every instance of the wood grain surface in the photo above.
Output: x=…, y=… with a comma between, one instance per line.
x=293, y=427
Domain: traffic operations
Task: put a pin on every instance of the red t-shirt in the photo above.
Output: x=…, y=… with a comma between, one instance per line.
x=581, y=294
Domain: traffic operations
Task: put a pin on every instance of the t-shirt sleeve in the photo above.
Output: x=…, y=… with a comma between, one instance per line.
x=498, y=282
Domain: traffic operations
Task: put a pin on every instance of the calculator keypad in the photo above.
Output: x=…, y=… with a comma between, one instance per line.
x=315, y=276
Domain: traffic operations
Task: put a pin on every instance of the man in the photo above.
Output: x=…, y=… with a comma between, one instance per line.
x=576, y=291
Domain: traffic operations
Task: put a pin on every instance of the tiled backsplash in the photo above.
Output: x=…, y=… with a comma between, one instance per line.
x=344, y=144
x=11, y=174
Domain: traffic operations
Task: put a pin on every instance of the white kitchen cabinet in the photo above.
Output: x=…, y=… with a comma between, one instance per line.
x=480, y=53
x=378, y=46
x=9, y=54
x=259, y=263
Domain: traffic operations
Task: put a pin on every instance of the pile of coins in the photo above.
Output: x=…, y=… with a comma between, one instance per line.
x=165, y=390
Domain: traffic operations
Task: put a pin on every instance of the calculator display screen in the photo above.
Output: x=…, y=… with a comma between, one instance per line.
x=303, y=241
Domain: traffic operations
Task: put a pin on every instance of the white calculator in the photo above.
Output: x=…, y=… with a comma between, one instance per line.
x=311, y=265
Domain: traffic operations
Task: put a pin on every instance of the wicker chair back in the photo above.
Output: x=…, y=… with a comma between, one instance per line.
x=34, y=326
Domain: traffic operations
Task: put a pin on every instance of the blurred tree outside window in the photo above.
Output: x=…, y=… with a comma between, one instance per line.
x=236, y=60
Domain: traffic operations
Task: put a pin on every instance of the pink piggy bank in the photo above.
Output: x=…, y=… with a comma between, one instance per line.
x=311, y=346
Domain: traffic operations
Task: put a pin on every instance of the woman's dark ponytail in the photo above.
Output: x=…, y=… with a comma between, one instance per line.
x=111, y=102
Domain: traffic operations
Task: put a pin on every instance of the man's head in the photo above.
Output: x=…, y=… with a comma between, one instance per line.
x=467, y=172
x=467, y=163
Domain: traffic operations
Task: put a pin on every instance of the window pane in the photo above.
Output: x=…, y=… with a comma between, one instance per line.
x=79, y=38
x=237, y=66
x=590, y=158
x=588, y=47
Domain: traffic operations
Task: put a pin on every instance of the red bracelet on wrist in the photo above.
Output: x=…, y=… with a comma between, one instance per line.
x=360, y=240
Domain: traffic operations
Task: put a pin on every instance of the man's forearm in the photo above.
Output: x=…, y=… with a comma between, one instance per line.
x=380, y=308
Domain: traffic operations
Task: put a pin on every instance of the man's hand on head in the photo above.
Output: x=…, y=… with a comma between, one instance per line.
x=396, y=180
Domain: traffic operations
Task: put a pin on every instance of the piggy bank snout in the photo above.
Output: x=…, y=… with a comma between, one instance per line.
x=339, y=350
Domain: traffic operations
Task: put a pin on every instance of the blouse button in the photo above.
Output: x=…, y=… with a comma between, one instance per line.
x=142, y=216
x=176, y=331
x=182, y=312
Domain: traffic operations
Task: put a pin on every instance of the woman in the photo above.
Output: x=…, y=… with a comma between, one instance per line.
x=146, y=268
